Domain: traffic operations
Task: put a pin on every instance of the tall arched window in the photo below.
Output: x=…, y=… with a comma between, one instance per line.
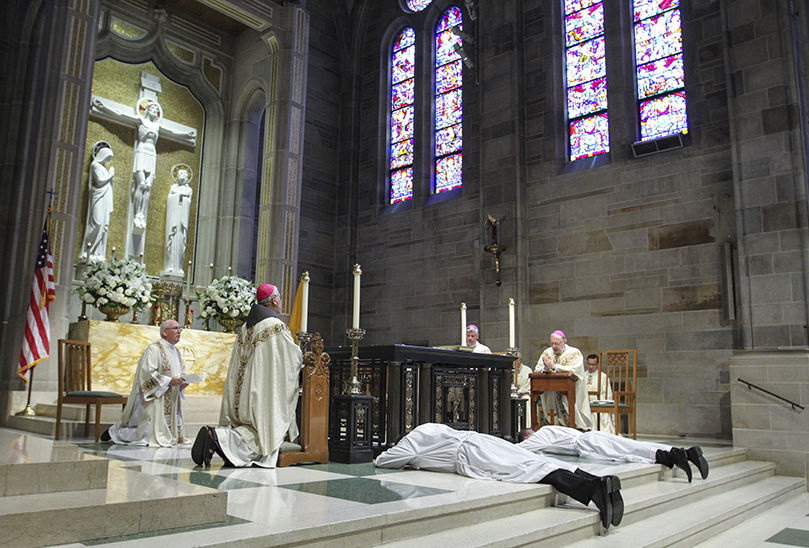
x=402, y=96
x=588, y=123
x=660, y=72
x=448, y=103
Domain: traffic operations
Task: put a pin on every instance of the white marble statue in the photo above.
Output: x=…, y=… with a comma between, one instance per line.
x=100, y=205
x=178, y=209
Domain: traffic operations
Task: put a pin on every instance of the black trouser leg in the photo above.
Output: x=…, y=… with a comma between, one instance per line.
x=578, y=486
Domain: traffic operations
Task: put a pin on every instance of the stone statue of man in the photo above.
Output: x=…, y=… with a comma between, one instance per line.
x=178, y=209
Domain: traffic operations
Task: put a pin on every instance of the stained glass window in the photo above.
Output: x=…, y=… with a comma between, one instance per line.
x=418, y=5
x=586, y=69
x=659, y=66
x=448, y=103
x=402, y=96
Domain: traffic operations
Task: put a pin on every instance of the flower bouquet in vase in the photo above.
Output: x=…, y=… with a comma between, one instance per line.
x=116, y=286
x=228, y=301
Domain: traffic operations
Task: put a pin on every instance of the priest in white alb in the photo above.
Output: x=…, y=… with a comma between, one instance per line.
x=261, y=391
x=154, y=413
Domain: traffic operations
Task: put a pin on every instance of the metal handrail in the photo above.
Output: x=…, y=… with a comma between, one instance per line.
x=750, y=385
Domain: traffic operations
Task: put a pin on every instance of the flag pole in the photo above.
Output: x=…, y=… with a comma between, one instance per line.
x=29, y=411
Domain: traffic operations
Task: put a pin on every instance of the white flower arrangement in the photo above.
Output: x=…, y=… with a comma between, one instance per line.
x=121, y=281
x=228, y=297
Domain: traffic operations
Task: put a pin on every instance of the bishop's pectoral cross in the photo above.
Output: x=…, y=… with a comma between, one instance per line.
x=147, y=119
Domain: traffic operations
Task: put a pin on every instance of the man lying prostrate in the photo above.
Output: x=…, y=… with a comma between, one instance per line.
x=439, y=448
x=561, y=440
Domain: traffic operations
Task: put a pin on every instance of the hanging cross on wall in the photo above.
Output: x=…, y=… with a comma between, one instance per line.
x=492, y=227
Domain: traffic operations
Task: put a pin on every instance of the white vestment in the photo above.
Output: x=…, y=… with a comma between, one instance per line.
x=480, y=348
x=439, y=448
x=261, y=393
x=568, y=361
x=523, y=382
x=561, y=440
x=607, y=421
x=153, y=414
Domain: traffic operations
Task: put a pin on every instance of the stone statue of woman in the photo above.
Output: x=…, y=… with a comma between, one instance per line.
x=178, y=209
x=100, y=206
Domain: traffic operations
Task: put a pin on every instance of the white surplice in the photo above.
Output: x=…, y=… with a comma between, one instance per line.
x=153, y=414
x=561, y=440
x=568, y=361
x=439, y=448
x=261, y=393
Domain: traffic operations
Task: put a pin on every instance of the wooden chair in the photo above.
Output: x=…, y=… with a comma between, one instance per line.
x=76, y=386
x=314, y=440
x=621, y=369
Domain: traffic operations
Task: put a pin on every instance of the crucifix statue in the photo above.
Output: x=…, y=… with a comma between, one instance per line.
x=149, y=123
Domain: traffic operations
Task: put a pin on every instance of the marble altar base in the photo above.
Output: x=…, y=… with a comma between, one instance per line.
x=117, y=347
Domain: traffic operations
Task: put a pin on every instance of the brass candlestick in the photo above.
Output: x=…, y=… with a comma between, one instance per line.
x=135, y=316
x=354, y=386
x=511, y=351
x=303, y=340
x=189, y=314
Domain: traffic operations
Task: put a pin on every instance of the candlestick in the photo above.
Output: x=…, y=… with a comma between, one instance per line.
x=511, y=337
x=463, y=324
x=354, y=386
x=209, y=281
x=113, y=252
x=188, y=281
x=357, y=274
x=229, y=269
x=305, y=302
x=189, y=314
x=141, y=258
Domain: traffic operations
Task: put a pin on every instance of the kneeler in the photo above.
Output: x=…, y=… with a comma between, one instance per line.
x=314, y=438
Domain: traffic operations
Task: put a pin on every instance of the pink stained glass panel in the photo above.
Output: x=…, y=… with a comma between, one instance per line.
x=418, y=5
x=658, y=37
x=587, y=98
x=647, y=8
x=401, y=124
x=584, y=24
x=576, y=5
x=589, y=136
x=663, y=116
x=401, y=185
x=449, y=140
x=448, y=109
x=402, y=94
x=448, y=172
x=406, y=38
x=448, y=77
x=444, y=48
x=403, y=64
x=452, y=16
x=401, y=154
x=661, y=76
x=585, y=62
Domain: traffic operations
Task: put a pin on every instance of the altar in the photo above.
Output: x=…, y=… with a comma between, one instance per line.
x=413, y=385
x=117, y=347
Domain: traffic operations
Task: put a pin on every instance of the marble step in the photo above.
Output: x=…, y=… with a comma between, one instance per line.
x=132, y=503
x=30, y=465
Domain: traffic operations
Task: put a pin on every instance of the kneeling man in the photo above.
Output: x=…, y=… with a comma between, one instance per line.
x=154, y=413
x=261, y=391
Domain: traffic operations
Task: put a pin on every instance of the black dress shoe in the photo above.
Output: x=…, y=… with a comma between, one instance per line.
x=695, y=455
x=199, y=448
x=105, y=435
x=680, y=459
x=617, y=501
x=603, y=500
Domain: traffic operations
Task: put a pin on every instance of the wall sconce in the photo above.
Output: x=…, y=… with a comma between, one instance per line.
x=492, y=227
x=465, y=56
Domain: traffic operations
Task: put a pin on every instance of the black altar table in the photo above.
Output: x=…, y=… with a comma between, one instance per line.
x=413, y=385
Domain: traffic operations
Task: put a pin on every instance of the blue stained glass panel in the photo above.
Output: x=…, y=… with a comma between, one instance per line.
x=448, y=109
x=401, y=154
x=663, y=116
x=587, y=98
x=449, y=140
x=589, y=136
x=661, y=76
x=647, y=8
x=418, y=5
x=448, y=77
x=402, y=94
x=403, y=64
x=406, y=38
x=658, y=37
x=401, y=185
x=584, y=24
x=452, y=16
x=585, y=62
x=576, y=5
x=401, y=124
x=448, y=173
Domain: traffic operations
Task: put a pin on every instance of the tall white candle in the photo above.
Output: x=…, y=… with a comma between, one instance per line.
x=511, y=338
x=188, y=281
x=463, y=324
x=305, y=302
x=357, y=273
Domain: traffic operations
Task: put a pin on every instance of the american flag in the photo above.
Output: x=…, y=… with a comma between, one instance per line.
x=36, y=345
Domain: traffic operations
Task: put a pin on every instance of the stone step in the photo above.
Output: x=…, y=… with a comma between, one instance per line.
x=132, y=503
